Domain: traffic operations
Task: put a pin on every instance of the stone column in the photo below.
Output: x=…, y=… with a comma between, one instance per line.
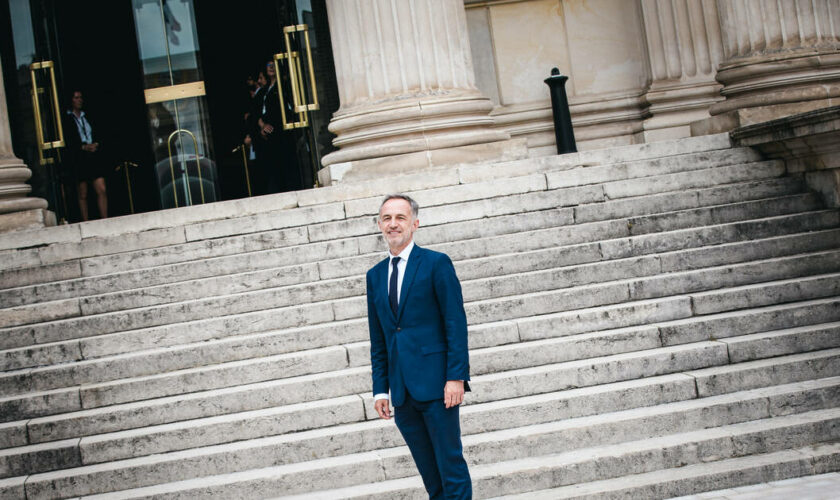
x=684, y=49
x=17, y=211
x=407, y=90
x=780, y=57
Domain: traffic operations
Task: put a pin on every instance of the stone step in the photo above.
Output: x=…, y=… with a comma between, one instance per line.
x=338, y=288
x=759, y=373
x=516, y=383
x=590, y=202
x=564, y=178
x=129, y=443
x=715, y=326
x=583, y=160
x=480, y=418
x=477, y=419
x=292, y=219
x=147, y=290
x=92, y=371
x=501, y=460
x=664, y=314
x=570, y=469
x=360, y=226
x=743, y=322
x=189, y=266
x=704, y=477
x=780, y=342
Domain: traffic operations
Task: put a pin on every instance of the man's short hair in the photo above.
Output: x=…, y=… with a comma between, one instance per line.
x=415, y=208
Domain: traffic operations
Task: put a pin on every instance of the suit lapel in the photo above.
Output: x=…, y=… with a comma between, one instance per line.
x=382, y=289
x=410, y=271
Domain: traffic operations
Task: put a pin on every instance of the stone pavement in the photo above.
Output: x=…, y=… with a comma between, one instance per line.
x=819, y=487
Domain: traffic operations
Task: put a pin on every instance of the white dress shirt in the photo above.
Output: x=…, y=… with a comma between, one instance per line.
x=83, y=126
x=401, y=266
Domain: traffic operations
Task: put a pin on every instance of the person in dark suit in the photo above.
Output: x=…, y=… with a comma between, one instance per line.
x=84, y=156
x=418, y=349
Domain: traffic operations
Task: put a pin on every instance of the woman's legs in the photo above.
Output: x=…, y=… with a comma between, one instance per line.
x=83, y=207
x=101, y=196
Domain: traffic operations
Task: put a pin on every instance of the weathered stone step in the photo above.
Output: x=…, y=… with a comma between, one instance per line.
x=743, y=322
x=564, y=178
x=590, y=202
x=621, y=424
x=341, y=228
x=501, y=461
x=571, y=469
x=230, y=373
x=477, y=418
x=93, y=371
x=323, y=252
x=501, y=284
x=698, y=478
x=574, y=163
x=780, y=342
x=294, y=220
x=629, y=366
x=665, y=314
x=759, y=373
x=538, y=239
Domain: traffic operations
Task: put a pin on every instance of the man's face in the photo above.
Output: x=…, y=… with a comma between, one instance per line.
x=78, y=100
x=397, y=224
x=269, y=69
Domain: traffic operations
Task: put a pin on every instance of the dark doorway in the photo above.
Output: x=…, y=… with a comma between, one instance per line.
x=237, y=42
x=97, y=54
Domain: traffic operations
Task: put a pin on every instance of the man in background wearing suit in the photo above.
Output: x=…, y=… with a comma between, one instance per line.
x=418, y=349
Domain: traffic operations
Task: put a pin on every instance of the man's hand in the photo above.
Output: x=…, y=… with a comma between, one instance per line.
x=453, y=393
x=383, y=408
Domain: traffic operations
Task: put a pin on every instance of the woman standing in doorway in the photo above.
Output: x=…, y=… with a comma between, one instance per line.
x=85, y=157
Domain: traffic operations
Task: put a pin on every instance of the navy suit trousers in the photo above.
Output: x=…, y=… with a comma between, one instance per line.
x=433, y=434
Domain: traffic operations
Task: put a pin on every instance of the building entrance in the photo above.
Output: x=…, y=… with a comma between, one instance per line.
x=165, y=88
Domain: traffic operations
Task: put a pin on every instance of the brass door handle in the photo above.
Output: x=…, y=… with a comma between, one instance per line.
x=296, y=79
x=44, y=144
x=294, y=69
x=298, y=96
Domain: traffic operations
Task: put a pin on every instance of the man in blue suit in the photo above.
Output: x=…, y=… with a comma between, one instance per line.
x=418, y=349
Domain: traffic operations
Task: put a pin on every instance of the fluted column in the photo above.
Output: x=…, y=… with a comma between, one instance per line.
x=684, y=50
x=781, y=55
x=13, y=175
x=405, y=80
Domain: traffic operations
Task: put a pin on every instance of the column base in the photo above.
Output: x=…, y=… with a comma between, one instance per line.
x=27, y=219
x=412, y=163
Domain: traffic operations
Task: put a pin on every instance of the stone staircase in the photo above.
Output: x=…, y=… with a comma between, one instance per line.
x=645, y=322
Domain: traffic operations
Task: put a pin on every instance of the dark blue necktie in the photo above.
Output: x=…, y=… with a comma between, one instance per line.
x=392, y=285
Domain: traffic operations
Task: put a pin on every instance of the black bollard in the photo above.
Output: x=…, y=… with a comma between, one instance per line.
x=563, y=132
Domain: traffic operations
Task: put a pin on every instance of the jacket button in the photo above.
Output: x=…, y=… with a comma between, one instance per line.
x=399, y=329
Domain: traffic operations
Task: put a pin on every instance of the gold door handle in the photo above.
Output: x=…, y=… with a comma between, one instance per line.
x=297, y=93
x=43, y=144
x=296, y=80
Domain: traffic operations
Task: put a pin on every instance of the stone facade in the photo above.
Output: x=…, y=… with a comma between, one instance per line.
x=435, y=84
x=648, y=70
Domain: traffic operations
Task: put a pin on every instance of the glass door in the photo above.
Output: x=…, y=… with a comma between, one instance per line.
x=176, y=105
x=308, y=94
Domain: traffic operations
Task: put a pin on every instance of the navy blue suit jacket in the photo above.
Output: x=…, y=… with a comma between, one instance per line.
x=425, y=343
